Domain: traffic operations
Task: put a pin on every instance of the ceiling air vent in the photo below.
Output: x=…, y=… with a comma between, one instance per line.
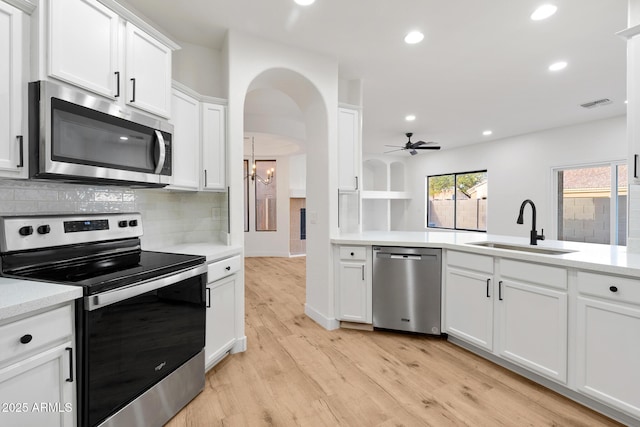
x=596, y=103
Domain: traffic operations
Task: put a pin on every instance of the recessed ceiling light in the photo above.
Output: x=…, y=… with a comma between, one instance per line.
x=557, y=66
x=414, y=37
x=487, y=132
x=410, y=118
x=305, y=2
x=626, y=101
x=543, y=12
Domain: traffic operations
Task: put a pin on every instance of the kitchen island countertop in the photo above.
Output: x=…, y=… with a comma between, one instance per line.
x=603, y=258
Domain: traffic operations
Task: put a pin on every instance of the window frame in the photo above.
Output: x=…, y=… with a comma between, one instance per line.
x=455, y=205
x=613, y=219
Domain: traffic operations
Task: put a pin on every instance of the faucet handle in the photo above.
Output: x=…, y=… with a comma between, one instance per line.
x=541, y=235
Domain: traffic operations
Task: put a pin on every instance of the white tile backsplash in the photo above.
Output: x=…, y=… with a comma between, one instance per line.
x=168, y=218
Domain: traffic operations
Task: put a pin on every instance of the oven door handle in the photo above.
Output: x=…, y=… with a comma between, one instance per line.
x=94, y=302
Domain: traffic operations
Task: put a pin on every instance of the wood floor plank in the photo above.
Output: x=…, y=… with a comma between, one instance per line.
x=295, y=373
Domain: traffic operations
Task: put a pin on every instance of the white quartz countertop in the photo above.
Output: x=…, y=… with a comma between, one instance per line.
x=603, y=258
x=212, y=251
x=18, y=296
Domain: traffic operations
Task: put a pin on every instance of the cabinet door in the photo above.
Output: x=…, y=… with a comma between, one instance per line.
x=532, y=321
x=221, y=313
x=12, y=78
x=148, y=79
x=353, y=292
x=37, y=391
x=83, y=45
x=213, y=147
x=469, y=307
x=608, y=351
x=186, y=141
x=348, y=149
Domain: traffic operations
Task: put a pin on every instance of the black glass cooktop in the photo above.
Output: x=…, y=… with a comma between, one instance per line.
x=96, y=271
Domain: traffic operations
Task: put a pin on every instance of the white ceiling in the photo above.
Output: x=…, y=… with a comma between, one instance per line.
x=482, y=65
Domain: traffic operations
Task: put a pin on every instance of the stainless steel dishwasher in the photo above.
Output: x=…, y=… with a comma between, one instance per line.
x=407, y=289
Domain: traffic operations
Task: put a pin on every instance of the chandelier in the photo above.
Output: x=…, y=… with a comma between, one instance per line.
x=253, y=174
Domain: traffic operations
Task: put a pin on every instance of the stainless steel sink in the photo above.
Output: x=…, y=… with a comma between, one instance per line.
x=532, y=249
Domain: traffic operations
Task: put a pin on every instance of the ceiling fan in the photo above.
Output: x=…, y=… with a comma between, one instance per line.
x=413, y=146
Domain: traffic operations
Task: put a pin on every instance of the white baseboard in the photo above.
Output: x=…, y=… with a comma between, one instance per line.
x=326, y=322
x=240, y=345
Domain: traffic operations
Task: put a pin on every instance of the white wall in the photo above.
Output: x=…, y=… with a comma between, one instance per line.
x=199, y=68
x=519, y=168
x=270, y=243
x=315, y=78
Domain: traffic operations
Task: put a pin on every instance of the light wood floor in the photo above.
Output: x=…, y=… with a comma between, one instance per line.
x=296, y=373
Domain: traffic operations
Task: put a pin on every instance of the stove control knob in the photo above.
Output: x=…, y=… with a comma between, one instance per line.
x=122, y=224
x=27, y=230
x=44, y=229
x=133, y=223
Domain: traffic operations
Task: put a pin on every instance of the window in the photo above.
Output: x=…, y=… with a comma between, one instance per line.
x=592, y=203
x=266, y=195
x=457, y=201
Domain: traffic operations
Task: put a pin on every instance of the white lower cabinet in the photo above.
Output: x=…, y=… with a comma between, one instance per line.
x=37, y=378
x=531, y=317
x=221, y=315
x=469, y=307
x=353, y=284
x=220, y=335
x=513, y=309
x=608, y=340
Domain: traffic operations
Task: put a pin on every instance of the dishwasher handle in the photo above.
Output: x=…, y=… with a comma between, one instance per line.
x=404, y=256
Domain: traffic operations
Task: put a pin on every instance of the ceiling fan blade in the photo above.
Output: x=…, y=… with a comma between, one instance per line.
x=395, y=146
x=432, y=147
x=391, y=151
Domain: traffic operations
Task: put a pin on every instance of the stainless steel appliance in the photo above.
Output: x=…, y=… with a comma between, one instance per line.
x=407, y=289
x=140, y=327
x=77, y=137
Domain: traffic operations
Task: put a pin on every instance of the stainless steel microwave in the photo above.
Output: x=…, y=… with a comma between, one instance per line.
x=75, y=137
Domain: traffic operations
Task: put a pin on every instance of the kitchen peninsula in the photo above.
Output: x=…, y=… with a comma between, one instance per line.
x=547, y=312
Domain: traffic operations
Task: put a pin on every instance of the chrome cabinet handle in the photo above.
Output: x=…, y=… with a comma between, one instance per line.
x=363, y=272
x=205, y=178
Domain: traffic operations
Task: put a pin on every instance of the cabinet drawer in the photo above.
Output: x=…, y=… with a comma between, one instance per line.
x=36, y=331
x=554, y=277
x=470, y=261
x=623, y=289
x=222, y=268
x=353, y=252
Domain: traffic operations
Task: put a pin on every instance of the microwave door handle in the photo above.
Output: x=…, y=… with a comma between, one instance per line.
x=163, y=152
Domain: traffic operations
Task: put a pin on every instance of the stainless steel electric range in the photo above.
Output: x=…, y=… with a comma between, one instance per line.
x=140, y=327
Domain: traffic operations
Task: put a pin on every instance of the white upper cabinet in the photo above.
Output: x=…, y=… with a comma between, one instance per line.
x=349, y=149
x=213, y=147
x=13, y=70
x=148, y=66
x=83, y=45
x=91, y=46
x=186, y=141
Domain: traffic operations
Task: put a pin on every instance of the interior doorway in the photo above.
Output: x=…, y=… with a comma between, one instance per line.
x=297, y=226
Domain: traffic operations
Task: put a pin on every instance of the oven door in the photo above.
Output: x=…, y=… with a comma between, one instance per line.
x=135, y=336
x=78, y=137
